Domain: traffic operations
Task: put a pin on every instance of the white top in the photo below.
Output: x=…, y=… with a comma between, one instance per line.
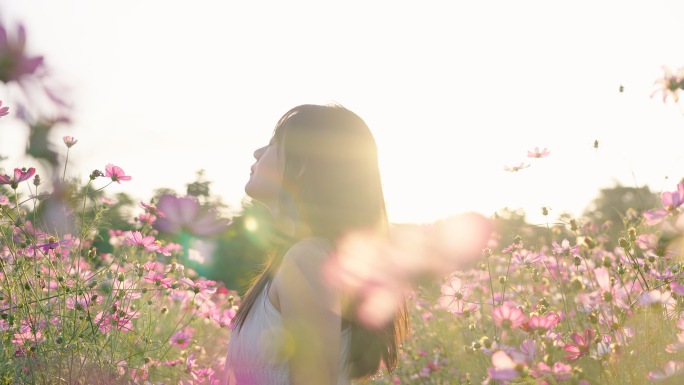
x=255, y=354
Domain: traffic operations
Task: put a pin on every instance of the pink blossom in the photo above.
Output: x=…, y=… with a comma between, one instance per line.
x=147, y=218
x=670, y=83
x=69, y=141
x=27, y=334
x=182, y=338
x=223, y=317
x=516, y=168
x=541, y=323
x=15, y=63
x=656, y=298
x=158, y=279
x=559, y=371
x=677, y=288
x=508, y=316
x=152, y=209
x=116, y=173
x=564, y=248
x=452, y=293
x=653, y=217
x=19, y=176
x=674, y=199
x=580, y=345
x=186, y=214
x=200, y=286
x=670, y=369
x=528, y=348
x=537, y=153
x=526, y=257
x=4, y=110
x=147, y=243
x=503, y=368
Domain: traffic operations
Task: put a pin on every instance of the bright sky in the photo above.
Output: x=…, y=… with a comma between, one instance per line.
x=453, y=91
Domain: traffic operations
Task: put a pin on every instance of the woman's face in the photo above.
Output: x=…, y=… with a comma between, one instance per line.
x=266, y=177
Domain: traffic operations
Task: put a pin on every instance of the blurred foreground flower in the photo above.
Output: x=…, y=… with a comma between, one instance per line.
x=185, y=214
x=376, y=270
x=15, y=64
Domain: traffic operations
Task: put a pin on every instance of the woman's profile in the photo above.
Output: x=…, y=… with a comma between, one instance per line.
x=319, y=177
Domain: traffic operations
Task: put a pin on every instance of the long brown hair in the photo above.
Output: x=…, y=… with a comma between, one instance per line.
x=331, y=185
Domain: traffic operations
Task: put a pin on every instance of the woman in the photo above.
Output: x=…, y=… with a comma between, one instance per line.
x=319, y=177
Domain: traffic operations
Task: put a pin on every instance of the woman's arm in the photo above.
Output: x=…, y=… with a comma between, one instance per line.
x=311, y=315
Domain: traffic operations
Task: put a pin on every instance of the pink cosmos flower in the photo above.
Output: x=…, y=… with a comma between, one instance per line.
x=25, y=336
x=19, y=176
x=580, y=345
x=671, y=200
x=186, y=213
x=158, y=279
x=559, y=371
x=564, y=248
x=670, y=369
x=508, y=316
x=15, y=63
x=538, y=154
x=148, y=243
x=679, y=344
x=4, y=110
x=656, y=298
x=674, y=199
x=223, y=317
x=503, y=368
x=69, y=141
x=116, y=173
x=670, y=83
x=147, y=218
x=203, y=287
x=516, y=168
x=528, y=348
x=452, y=293
x=527, y=258
x=541, y=323
x=182, y=338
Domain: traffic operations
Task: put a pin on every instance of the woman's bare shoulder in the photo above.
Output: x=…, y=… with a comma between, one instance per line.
x=308, y=250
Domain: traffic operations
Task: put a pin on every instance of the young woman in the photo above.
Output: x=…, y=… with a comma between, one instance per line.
x=319, y=177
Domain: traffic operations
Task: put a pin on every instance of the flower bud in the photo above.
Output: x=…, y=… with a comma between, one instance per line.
x=632, y=234
x=36, y=180
x=96, y=174
x=624, y=243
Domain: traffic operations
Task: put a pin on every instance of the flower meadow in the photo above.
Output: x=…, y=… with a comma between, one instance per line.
x=72, y=314
x=98, y=289
x=568, y=306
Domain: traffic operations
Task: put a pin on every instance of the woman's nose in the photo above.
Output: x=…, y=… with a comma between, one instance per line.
x=259, y=152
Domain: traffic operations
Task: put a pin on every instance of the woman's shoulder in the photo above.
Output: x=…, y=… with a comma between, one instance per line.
x=309, y=247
